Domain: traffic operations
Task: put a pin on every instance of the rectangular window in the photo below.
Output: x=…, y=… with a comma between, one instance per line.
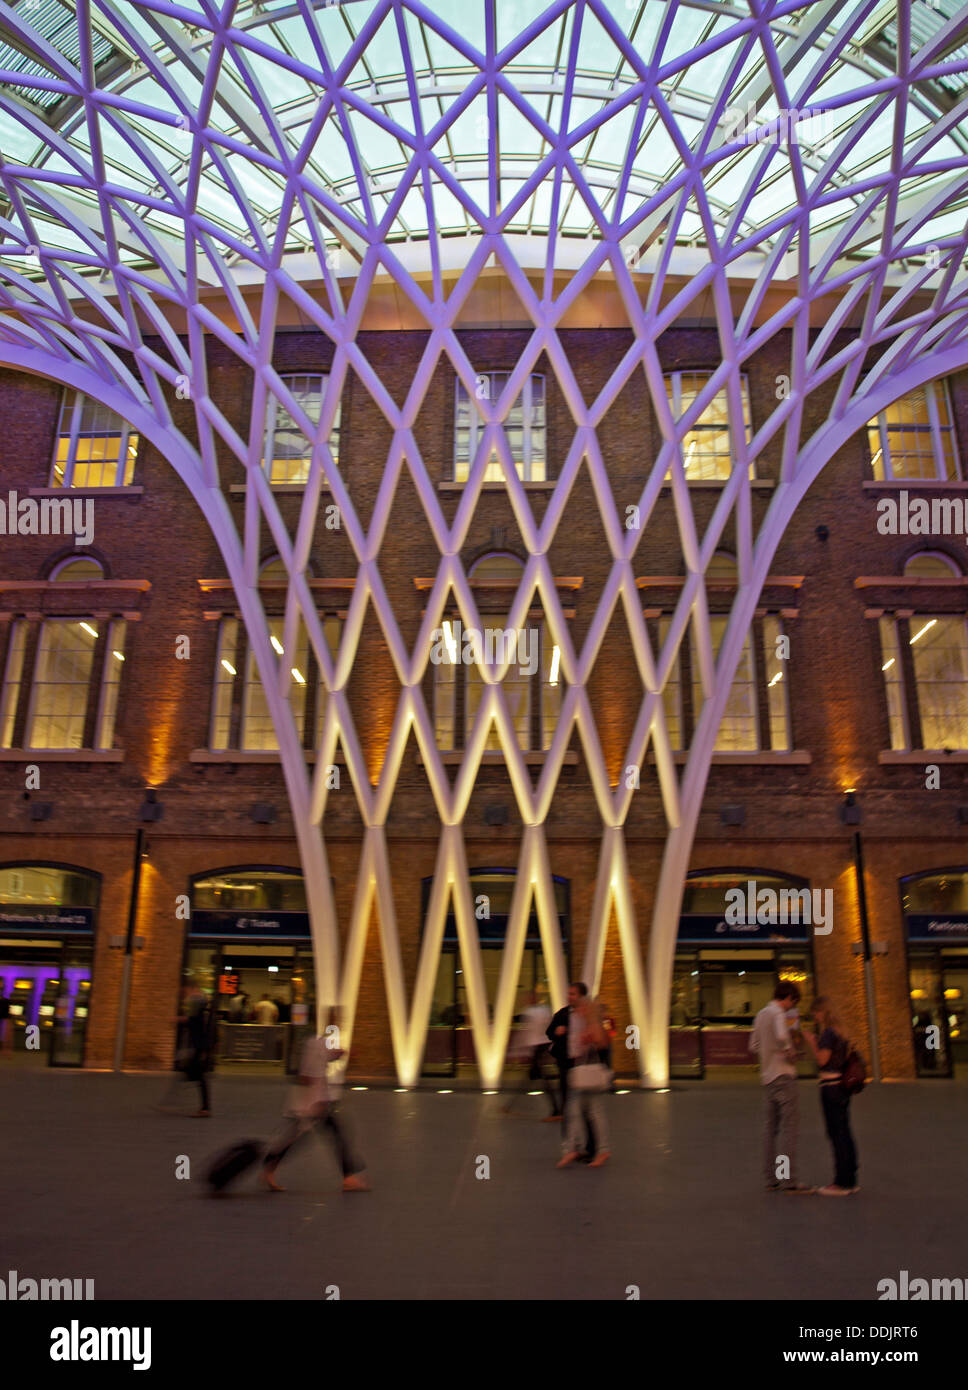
x=95, y=447
x=914, y=437
x=12, y=681
x=62, y=683
x=706, y=450
x=775, y=671
x=940, y=652
x=739, y=728
x=288, y=451
x=258, y=732
x=525, y=428
x=893, y=682
x=225, y=675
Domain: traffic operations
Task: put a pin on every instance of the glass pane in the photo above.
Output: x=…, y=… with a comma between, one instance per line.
x=72, y=1006
x=258, y=731
x=776, y=685
x=738, y=730
x=12, y=680
x=893, y=681
x=928, y=1019
x=940, y=650
x=113, y=664
x=65, y=657
x=225, y=673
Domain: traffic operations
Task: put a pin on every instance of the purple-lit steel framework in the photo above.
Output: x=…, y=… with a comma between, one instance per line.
x=157, y=126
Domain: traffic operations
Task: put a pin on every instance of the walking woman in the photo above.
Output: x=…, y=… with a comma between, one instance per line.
x=830, y=1047
x=588, y=1078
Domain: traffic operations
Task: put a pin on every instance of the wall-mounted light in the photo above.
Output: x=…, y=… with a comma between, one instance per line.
x=151, y=807
x=850, y=813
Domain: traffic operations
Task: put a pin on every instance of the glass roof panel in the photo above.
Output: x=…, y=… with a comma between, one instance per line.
x=468, y=141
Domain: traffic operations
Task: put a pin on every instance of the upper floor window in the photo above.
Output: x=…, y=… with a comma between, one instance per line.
x=525, y=428
x=706, y=450
x=95, y=447
x=73, y=698
x=938, y=645
x=288, y=451
x=914, y=437
x=532, y=684
x=76, y=568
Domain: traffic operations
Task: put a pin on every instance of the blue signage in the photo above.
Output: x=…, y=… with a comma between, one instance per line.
x=708, y=926
x=273, y=925
x=949, y=926
x=493, y=930
x=41, y=917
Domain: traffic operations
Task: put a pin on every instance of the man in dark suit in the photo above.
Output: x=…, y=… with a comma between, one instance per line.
x=558, y=1033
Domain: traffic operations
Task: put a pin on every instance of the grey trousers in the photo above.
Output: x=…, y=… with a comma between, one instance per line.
x=782, y=1130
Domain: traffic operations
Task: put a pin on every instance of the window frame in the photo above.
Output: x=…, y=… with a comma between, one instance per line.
x=675, y=405
x=125, y=434
x=274, y=406
x=934, y=427
x=524, y=466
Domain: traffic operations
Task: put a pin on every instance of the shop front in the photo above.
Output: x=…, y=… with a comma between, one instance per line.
x=726, y=971
x=935, y=908
x=249, y=948
x=48, y=916
x=450, y=1050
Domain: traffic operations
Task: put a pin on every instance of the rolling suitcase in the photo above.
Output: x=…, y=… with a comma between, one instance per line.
x=231, y=1163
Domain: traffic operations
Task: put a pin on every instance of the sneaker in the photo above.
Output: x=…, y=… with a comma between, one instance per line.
x=552, y=1119
x=568, y=1158
x=834, y=1191
x=772, y=1187
x=268, y=1181
x=599, y=1159
x=356, y=1182
x=799, y=1189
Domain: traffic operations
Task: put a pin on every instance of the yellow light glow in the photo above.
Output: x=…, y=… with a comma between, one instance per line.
x=118, y=655
x=228, y=666
x=298, y=676
x=918, y=994
x=777, y=677
x=451, y=644
x=87, y=628
x=952, y=994
x=888, y=664
x=276, y=645
x=555, y=662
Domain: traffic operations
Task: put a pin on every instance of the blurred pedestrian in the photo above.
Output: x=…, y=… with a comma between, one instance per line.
x=314, y=1106
x=830, y=1047
x=588, y=1079
x=6, y=1026
x=201, y=1024
x=534, y=1047
x=265, y=1011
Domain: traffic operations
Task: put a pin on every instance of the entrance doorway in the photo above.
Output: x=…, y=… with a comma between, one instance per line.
x=935, y=908
x=250, y=951
x=47, y=916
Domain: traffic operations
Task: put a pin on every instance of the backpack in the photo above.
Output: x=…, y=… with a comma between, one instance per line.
x=854, y=1073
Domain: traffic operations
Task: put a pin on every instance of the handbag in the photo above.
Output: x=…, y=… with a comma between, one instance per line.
x=855, y=1072
x=590, y=1075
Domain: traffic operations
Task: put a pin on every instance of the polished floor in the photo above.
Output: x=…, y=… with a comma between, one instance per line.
x=89, y=1173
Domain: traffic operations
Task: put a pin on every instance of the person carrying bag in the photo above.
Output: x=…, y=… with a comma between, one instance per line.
x=588, y=1079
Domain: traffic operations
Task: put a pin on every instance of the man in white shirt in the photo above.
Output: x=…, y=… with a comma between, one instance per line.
x=265, y=1011
x=771, y=1041
x=532, y=1040
x=313, y=1106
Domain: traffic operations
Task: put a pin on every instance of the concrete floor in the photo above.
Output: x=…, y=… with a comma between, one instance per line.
x=88, y=1171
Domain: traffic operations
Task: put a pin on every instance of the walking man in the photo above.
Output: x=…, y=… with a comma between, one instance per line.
x=772, y=1043
x=313, y=1107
